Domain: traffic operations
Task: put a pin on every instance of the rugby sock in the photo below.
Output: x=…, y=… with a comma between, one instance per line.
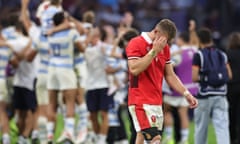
x=34, y=134
x=69, y=125
x=22, y=140
x=6, y=138
x=42, y=120
x=168, y=132
x=83, y=116
x=184, y=134
x=102, y=138
x=50, y=129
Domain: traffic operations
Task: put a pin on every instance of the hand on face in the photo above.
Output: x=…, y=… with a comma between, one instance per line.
x=159, y=43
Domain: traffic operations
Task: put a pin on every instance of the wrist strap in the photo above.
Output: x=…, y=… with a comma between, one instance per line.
x=152, y=53
x=186, y=93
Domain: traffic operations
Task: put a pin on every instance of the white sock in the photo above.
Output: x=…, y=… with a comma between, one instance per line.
x=83, y=116
x=125, y=141
x=69, y=125
x=22, y=140
x=102, y=138
x=168, y=130
x=184, y=134
x=50, y=128
x=5, y=138
x=42, y=128
x=34, y=134
x=122, y=142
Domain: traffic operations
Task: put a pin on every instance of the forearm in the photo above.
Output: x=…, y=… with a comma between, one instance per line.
x=3, y=43
x=24, y=17
x=137, y=66
x=175, y=83
x=61, y=27
x=194, y=38
x=78, y=25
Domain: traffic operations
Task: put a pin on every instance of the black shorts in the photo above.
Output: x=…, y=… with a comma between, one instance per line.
x=24, y=99
x=98, y=100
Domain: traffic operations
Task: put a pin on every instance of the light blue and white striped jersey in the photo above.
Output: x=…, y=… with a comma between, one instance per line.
x=116, y=63
x=42, y=47
x=9, y=33
x=62, y=48
x=79, y=57
x=47, y=17
x=5, y=54
x=40, y=44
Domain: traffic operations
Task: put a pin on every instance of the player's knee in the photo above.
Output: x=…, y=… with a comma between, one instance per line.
x=151, y=134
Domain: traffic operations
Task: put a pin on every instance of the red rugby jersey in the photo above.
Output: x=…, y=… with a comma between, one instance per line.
x=146, y=88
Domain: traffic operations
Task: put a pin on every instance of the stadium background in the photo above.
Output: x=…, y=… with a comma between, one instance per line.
x=221, y=16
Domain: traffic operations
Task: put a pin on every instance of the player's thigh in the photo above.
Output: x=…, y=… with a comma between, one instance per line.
x=67, y=79
x=53, y=99
x=30, y=99
x=105, y=100
x=41, y=90
x=3, y=91
x=52, y=81
x=69, y=95
x=147, y=116
x=92, y=100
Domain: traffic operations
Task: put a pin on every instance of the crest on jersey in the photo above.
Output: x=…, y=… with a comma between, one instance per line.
x=153, y=118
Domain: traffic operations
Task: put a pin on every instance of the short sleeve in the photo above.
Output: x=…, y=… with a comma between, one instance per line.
x=196, y=60
x=167, y=54
x=133, y=50
x=225, y=57
x=34, y=32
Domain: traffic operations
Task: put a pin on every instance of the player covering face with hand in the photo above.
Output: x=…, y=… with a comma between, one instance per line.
x=148, y=62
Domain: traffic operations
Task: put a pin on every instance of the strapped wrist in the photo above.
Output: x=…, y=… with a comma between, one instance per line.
x=186, y=93
x=152, y=53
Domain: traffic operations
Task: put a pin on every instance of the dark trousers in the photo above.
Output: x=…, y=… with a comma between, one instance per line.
x=234, y=115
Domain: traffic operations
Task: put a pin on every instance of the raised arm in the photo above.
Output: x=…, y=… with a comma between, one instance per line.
x=138, y=65
x=193, y=35
x=24, y=17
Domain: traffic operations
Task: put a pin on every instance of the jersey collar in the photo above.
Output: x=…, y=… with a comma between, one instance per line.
x=146, y=37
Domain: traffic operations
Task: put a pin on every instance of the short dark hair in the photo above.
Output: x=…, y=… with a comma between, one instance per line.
x=127, y=36
x=204, y=35
x=169, y=27
x=184, y=36
x=58, y=18
x=10, y=20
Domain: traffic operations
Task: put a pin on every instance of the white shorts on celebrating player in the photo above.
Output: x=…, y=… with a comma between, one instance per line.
x=3, y=90
x=61, y=79
x=146, y=116
x=176, y=101
x=41, y=89
x=80, y=67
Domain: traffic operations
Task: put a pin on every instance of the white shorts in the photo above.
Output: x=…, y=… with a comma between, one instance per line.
x=81, y=71
x=61, y=79
x=41, y=90
x=176, y=101
x=3, y=91
x=146, y=116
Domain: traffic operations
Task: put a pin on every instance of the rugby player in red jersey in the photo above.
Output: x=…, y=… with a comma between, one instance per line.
x=148, y=62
